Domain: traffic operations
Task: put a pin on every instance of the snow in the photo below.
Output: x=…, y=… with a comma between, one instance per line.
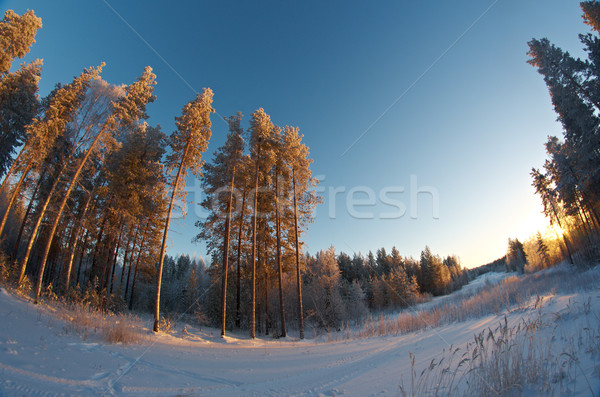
x=40, y=356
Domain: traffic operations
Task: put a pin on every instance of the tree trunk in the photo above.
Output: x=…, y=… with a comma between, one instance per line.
x=137, y=263
x=267, y=322
x=99, y=238
x=115, y=260
x=298, y=275
x=36, y=227
x=27, y=213
x=82, y=249
x=17, y=187
x=11, y=170
x=127, y=251
x=253, y=282
x=163, y=246
x=239, y=267
x=131, y=262
x=61, y=207
x=13, y=197
x=110, y=249
x=567, y=245
x=226, y=257
x=280, y=270
x=75, y=238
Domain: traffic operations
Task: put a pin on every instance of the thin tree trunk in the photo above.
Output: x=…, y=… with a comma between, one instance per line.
x=253, y=282
x=592, y=211
x=74, y=240
x=226, y=257
x=127, y=252
x=163, y=246
x=110, y=249
x=567, y=245
x=116, y=258
x=280, y=270
x=36, y=227
x=13, y=197
x=61, y=208
x=27, y=213
x=137, y=263
x=586, y=201
x=82, y=249
x=138, y=259
x=298, y=276
x=267, y=322
x=239, y=266
x=99, y=239
x=12, y=169
x=585, y=227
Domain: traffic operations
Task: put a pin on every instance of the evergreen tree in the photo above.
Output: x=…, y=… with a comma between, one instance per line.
x=323, y=288
x=43, y=131
x=591, y=14
x=18, y=106
x=219, y=186
x=304, y=199
x=516, y=259
x=551, y=208
x=542, y=250
x=17, y=35
x=188, y=144
x=128, y=110
x=261, y=130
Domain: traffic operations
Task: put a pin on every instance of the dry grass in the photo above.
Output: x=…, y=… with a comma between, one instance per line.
x=512, y=293
x=535, y=357
x=113, y=328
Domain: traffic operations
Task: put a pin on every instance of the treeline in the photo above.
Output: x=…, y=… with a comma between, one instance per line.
x=569, y=183
x=89, y=187
x=337, y=289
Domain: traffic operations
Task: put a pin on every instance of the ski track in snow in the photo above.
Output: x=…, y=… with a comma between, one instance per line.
x=38, y=357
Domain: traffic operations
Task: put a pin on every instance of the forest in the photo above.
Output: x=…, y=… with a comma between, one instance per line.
x=89, y=188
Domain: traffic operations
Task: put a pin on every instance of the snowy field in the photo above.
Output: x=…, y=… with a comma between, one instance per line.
x=41, y=356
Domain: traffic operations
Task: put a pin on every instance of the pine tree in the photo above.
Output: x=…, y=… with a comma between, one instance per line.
x=261, y=129
x=551, y=208
x=542, y=250
x=128, y=110
x=43, y=131
x=383, y=266
x=47, y=138
x=17, y=35
x=516, y=259
x=574, y=166
x=188, y=144
x=219, y=184
x=591, y=14
x=18, y=106
x=323, y=288
x=304, y=198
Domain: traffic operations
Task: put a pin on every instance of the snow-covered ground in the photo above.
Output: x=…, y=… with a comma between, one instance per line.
x=40, y=356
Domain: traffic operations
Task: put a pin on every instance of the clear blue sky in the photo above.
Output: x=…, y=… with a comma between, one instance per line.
x=471, y=127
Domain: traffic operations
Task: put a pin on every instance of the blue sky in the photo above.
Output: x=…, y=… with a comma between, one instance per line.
x=470, y=126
